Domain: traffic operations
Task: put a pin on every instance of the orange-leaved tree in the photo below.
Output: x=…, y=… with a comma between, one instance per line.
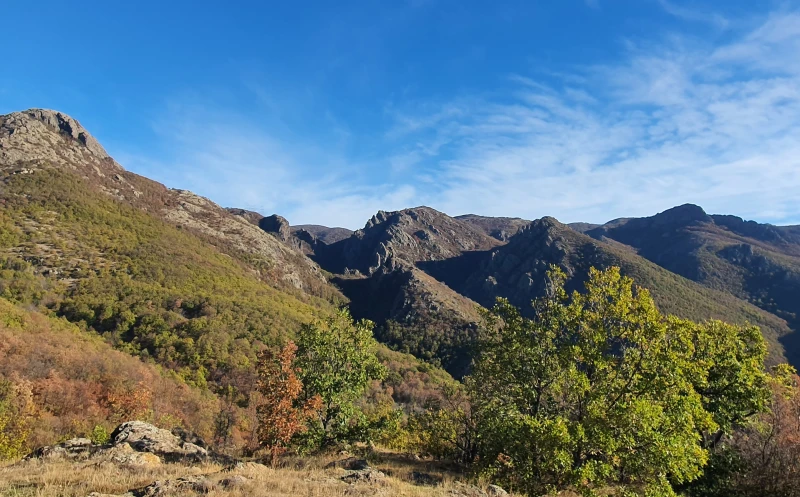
x=282, y=414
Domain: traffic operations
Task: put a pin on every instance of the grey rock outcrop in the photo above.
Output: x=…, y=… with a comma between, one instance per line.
x=134, y=443
x=144, y=437
x=278, y=226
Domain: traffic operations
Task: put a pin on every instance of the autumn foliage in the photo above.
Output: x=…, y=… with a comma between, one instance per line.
x=281, y=414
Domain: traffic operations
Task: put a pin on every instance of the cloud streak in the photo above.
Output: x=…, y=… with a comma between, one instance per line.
x=668, y=123
x=718, y=126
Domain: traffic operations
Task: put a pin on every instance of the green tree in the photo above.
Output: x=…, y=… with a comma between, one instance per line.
x=599, y=389
x=336, y=361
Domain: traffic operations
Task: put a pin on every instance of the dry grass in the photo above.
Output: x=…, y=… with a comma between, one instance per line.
x=301, y=477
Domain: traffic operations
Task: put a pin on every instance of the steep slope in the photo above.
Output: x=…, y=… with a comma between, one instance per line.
x=39, y=140
x=379, y=268
x=404, y=237
x=76, y=381
x=501, y=228
x=162, y=273
x=164, y=276
x=517, y=271
x=759, y=263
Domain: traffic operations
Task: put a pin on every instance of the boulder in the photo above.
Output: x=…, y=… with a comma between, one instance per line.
x=75, y=448
x=134, y=443
x=144, y=437
x=124, y=455
x=189, y=436
x=247, y=466
x=236, y=481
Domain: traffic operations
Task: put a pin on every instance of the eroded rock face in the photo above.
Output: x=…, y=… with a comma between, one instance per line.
x=278, y=226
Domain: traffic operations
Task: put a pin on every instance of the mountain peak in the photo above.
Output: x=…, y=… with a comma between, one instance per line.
x=67, y=126
x=683, y=214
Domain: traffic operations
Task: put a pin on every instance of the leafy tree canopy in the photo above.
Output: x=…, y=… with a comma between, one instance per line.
x=336, y=360
x=600, y=389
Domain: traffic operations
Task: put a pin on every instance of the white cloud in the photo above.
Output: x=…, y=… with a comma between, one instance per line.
x=694, y=15
x=676, y=122
x=237, y=163
x=717, y=126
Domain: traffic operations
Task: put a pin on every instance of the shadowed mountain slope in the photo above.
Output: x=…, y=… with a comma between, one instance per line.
x=759, y=263
x=500, y=228
x=517, y=271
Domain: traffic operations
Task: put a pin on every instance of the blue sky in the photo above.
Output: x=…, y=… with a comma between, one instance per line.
x=326, y=112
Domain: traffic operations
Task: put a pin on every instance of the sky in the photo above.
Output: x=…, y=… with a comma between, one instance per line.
x=326, y=112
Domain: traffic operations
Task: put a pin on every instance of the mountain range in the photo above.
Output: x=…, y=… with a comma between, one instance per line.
x=176, y=279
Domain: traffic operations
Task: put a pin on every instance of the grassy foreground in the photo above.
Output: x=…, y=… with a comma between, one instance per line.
x=297, y=477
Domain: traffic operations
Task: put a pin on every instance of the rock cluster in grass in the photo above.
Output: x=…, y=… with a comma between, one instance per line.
x=134, y=443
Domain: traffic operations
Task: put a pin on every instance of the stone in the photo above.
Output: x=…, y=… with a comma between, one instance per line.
x=124, y=455
x=236, y=481
x=466, y=490
x=75, y=448
x=248, y=466
x=364, y=476
x=189, y=436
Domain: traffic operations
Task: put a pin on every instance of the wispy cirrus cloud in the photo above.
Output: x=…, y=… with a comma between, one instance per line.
x=679, y=122
x=693, y=14
x=237, y=161
x=682, y=120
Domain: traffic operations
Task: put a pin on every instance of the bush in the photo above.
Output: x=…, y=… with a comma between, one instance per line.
x=17, y=413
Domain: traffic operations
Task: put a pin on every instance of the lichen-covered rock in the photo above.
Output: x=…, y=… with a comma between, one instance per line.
x=134, y=443
x=144, y=437
x=75, y=448
x=124, y=455
x=248, y=466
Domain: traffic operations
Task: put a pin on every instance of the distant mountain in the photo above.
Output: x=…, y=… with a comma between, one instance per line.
x=501, y=228
x=759, y=263
x=323, y=233
x=171, y=276
x=517, y=271
x=380, y=272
